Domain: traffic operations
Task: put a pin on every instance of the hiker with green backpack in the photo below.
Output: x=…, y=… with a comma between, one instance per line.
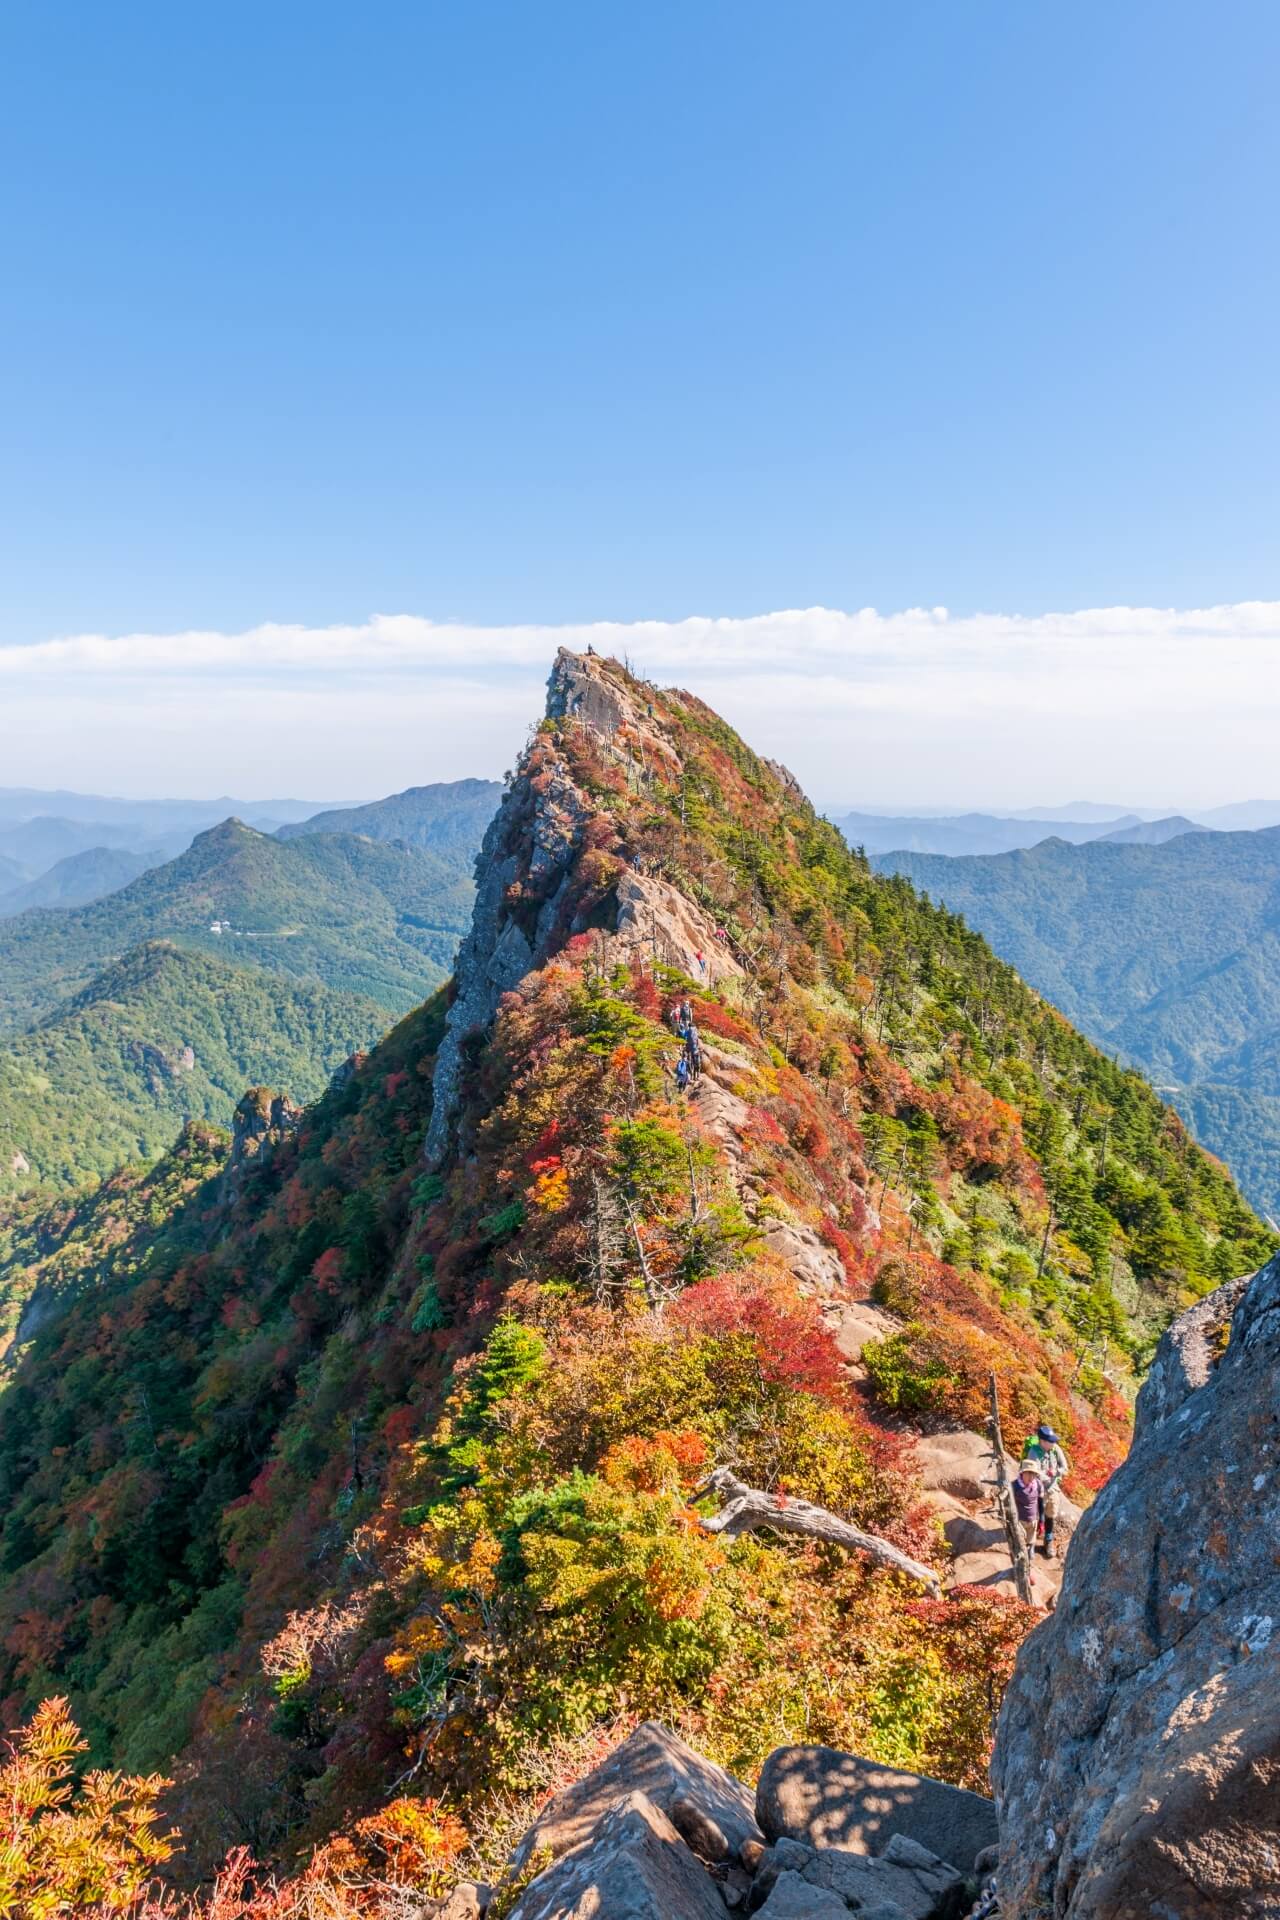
x=1045, y=1449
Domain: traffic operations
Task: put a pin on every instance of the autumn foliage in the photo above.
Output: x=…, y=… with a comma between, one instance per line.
x=352, y=1496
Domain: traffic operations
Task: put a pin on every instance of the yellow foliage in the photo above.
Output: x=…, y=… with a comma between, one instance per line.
x=65, y=1848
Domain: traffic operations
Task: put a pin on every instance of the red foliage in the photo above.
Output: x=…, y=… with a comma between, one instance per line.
x=984, y=1133
x=327, y=1271
x=644, y=994
x=711, y=1017
x=795, y=1350
x=399, y=1426
x=763, y=1130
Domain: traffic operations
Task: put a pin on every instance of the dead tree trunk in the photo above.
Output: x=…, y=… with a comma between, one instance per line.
x=1004, y=1501
x=748, y=1510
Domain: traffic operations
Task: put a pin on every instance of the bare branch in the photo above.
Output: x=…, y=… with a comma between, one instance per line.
x=748, y=1510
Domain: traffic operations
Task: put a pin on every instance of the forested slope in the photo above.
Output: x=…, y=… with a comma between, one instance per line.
x=163, y=1035
x=356, y=1479
x=1170, y=954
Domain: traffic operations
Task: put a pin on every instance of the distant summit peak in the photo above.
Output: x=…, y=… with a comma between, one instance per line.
x=226, y=831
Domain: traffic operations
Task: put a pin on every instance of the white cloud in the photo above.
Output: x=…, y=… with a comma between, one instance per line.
x=1126, y=703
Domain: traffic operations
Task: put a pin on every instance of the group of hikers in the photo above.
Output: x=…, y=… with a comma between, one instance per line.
x=689, y=1065
x=1037, y=1491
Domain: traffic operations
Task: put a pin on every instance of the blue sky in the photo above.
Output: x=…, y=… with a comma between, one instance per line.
x=543, y=314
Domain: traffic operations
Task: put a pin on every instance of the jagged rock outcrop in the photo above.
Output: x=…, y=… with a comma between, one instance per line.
x=632, y=1866
x=525, y=868
x=261, y=1118
x=522, y=873
x=657, y=1763
x=656, y=1831
x=1137, y=1763
x=904, y=1882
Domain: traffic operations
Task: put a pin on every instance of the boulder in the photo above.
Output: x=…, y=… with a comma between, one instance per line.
x=906, y=1882
x=632, y=1865
x=1137, y=1761
x=469, y=1900
x=959, y=1463
x=792, y=1898
x=853, y=1322
x=815, y=1267
x=699, y=1797
x=833, y=1799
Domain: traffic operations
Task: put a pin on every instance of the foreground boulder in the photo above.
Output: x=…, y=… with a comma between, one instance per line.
x=832, y=1799
x=1137, y=1763
x=632, y=1865
x=905, y=1882
x=713, y=1811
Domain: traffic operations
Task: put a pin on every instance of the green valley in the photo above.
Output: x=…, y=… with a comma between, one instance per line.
x=161, y=1036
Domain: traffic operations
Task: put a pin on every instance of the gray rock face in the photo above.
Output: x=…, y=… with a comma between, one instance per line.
x=694, y=1793
x=1137, y=1763
x=1189, y=1352
x=792, y=1898
x=906, y=1882
x=533, y=838
x=261, y=1120
x=632, y=1865
x=815, y=1265
x=832, y=1799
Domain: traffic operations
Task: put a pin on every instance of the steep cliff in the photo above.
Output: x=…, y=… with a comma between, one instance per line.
x=1138, y=1755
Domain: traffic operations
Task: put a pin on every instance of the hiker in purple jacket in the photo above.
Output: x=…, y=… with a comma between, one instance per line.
x=1028, y=1498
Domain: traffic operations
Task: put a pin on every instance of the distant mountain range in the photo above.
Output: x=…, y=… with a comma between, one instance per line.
x=65, y=849
x=354, y=914
x=77, y=879
x=448, y=817
x=1168, y=954
x=18, y=804
x=965, y=833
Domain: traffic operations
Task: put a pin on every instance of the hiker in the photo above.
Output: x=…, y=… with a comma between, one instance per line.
x=1045, y=1448
x=702, y=965
x=1028, y=1498
x=682, y=1018
x=682, y=1074
x=693, y=1051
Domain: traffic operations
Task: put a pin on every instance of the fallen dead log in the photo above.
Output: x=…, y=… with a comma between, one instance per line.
x=748, y=1509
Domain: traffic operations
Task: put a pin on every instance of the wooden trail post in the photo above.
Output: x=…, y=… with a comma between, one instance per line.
x=1004, y=1500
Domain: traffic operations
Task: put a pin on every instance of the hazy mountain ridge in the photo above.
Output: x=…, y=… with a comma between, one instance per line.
x=963, y=833
x=77, y=879
x=448, y=817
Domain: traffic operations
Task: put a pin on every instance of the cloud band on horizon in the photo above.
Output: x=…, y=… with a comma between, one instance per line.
x=1132, y=703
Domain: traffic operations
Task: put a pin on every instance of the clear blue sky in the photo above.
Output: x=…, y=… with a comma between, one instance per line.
x=561, y=311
